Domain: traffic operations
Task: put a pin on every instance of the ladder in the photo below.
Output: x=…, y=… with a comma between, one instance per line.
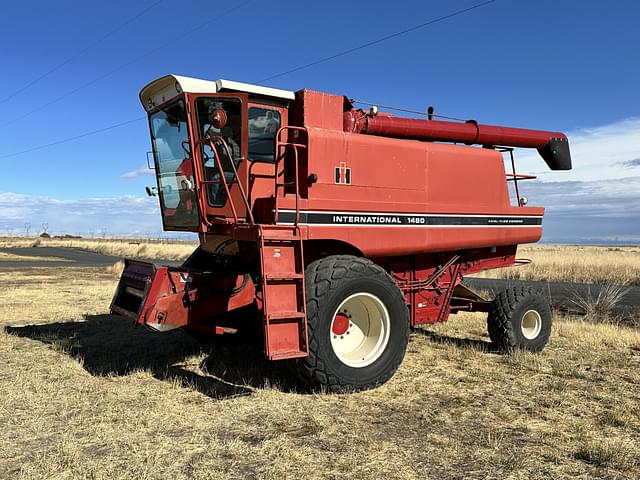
x=296, y=148
x=283, y=297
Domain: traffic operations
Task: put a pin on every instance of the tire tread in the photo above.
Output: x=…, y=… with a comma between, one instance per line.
x=500, y=319
x=321, y=277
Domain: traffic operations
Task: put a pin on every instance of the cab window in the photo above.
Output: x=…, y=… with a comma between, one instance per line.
x=263, y=126
x=231, y=133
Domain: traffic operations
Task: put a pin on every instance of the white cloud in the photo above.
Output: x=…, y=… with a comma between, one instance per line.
x=126, y=215
x=599, y=199
x=144, y=171
x=598, y=153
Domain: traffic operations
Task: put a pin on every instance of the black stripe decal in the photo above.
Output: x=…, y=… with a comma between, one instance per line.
x=338, y=218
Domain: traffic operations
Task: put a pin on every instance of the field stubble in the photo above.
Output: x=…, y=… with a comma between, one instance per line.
x=575, y=264
x=87, y=395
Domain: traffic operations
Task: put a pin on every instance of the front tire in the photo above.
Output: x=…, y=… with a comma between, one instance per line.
x=519, y=318
x=358, y=324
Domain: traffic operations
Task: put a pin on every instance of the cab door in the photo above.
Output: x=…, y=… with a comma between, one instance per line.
x=221, y=156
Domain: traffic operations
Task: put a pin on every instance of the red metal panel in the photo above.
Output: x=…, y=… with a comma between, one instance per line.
x=398, y=176
x=321, y=110
x=173, y=298
x=281, y=297
x=377, y=241
x=279, y=258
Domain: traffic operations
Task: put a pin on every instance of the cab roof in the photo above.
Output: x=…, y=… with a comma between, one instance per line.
x=169, y=86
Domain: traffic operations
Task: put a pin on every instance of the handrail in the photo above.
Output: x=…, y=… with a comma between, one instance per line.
x=222, y=177
x=515, y=176
x=280, y=145
x=220, y=139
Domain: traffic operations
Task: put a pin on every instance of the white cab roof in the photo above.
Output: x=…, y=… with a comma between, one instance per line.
x=169, y=86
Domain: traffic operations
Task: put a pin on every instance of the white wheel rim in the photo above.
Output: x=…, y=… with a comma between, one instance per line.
x=531, y=324
x=361, y=340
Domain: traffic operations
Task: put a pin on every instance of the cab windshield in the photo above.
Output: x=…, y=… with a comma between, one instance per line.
x=174, y=166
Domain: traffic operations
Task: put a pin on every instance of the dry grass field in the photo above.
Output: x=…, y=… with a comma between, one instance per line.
x=84, y=394
x=553, y=263
x=575, y=264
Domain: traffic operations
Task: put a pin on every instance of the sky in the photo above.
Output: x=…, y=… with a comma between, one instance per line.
x=563, y=65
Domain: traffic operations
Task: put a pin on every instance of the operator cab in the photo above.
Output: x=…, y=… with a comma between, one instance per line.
x=207, y=136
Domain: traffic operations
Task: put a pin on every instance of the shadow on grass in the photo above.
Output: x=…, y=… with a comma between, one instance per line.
x=111, y=345
x=474, y=344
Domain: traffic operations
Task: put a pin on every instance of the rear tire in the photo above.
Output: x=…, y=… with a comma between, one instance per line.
x=358, y=324
x=519, y=318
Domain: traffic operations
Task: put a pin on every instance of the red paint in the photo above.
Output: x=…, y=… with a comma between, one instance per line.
x=463, y=132
x=340, y=324
x=175, y=297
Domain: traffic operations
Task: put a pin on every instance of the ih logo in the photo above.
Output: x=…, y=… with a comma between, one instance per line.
x=343, y=174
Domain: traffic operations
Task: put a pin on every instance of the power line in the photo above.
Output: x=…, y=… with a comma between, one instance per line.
x=360, y=47
x=379, y=40
x=144, y=56
x=81, y=52
x=70, y=139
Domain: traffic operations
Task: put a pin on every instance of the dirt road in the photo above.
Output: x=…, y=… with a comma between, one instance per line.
x=37, y=257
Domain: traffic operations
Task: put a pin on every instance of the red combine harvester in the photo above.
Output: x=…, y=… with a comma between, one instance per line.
x=333, y=229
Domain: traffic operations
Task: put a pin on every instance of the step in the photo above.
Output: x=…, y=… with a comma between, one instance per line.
x=287, y=355
x=283, y=276
x=280, y=233
x=280, y=237
x=285, y=315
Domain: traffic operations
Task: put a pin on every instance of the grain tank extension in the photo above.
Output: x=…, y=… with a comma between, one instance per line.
x=330, y=229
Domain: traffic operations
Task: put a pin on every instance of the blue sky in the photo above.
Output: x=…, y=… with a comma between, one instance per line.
x=557, y=65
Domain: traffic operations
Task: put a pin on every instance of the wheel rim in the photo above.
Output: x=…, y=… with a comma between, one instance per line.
x=360, y=330
x=531, y=324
